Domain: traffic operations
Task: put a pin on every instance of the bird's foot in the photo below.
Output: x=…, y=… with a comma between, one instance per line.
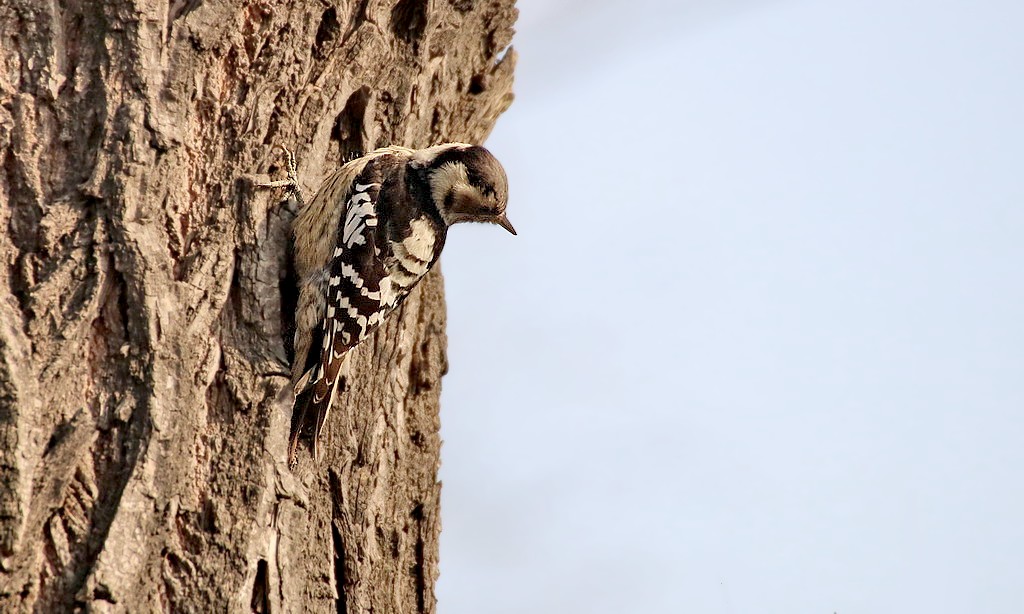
x=291, y=182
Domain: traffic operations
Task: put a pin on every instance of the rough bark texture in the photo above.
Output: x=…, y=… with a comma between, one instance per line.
x=142, y=431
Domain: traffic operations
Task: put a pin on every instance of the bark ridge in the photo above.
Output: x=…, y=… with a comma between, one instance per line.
x=142, y=431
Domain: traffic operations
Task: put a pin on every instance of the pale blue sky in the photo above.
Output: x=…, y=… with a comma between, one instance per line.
x=758, y=346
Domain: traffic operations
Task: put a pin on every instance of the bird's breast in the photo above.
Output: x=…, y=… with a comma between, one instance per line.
x=413, y=252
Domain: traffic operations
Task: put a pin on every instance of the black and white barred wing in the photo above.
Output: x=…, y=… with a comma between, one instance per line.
x=359, y=294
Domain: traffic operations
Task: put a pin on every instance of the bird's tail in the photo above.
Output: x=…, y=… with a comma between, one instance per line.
x=312, y=404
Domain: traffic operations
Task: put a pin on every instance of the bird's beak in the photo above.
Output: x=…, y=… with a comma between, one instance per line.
x=507, y=225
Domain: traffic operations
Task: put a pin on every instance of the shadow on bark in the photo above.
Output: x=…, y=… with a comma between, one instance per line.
x=145, y=301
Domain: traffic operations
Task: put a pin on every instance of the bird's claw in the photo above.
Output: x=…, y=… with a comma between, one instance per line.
x=292, y=180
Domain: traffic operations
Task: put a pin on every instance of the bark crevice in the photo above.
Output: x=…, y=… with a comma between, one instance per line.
x=145, y=299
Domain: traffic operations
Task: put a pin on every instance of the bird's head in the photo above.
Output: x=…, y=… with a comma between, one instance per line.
x=467, y=183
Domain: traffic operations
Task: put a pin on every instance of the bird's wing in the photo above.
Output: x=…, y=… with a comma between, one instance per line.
x=358, y=296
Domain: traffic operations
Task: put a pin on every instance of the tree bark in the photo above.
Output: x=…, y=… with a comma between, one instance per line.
x=144, y=299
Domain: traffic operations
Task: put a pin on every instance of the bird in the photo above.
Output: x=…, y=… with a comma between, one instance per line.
x=372, y=231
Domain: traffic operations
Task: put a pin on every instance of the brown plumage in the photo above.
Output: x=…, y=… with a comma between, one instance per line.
x=372, y=231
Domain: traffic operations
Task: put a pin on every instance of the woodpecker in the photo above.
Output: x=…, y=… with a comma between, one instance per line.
x=370, y=234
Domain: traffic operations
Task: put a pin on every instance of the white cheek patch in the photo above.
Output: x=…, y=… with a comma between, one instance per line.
x=445, y=179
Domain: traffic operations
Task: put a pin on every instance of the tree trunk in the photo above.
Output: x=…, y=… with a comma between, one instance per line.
x=143, y=299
